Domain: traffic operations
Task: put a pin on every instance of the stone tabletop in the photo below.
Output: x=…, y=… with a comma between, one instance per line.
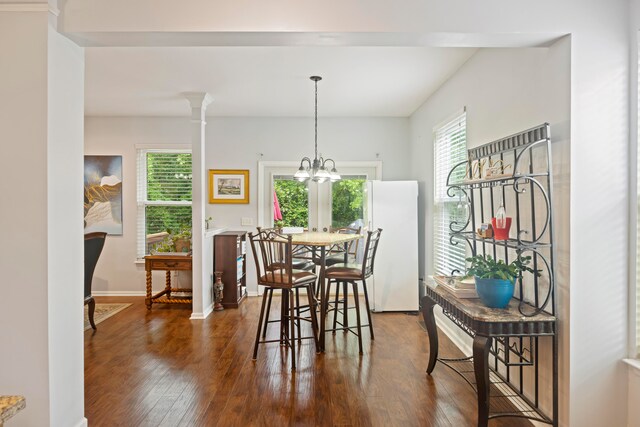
x=10, y=405
x=477, y=311
x=322, y=239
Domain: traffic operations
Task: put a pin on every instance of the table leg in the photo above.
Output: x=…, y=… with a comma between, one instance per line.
x=324, y=296
x=430, y=323
x=168, y=284
x=481, y=347
x=147, y=300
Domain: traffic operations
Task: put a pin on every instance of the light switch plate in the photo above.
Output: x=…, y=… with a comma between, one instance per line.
x=247, y=221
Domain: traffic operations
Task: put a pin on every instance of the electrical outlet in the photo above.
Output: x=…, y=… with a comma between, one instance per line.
x=247, y=221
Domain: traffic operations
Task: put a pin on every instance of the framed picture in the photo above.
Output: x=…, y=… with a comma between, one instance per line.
x=103, y=194
x=228, y=186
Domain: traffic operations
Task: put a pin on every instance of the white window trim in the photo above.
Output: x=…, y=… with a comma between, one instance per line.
x=141, y=189
x=437, y=201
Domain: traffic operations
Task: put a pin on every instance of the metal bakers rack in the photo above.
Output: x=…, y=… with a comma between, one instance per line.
x=515, y=350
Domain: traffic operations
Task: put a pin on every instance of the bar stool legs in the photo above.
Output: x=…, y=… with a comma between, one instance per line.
x=290, y=320
x=358, y=322
x=255, y=345
x=366, y=301
x=342, y=304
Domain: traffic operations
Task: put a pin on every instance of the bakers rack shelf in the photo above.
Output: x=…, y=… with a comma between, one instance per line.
x=515, y=350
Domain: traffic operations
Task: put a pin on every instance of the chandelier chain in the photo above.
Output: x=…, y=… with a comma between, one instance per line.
x=317, y=169
x=316, y=122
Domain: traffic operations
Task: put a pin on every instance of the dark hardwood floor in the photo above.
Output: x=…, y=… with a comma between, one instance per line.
x=159, y=368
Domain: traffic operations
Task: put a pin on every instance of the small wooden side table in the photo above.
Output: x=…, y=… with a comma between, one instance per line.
x=167, y=263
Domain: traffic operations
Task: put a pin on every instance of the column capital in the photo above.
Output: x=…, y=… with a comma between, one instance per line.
x=198, y=99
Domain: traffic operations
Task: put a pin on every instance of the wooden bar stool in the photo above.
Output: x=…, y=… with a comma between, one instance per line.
x=353, y=273
x=275, y=272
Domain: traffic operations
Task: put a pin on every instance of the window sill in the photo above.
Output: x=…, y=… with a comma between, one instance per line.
x=634, y=364
x=139, y=261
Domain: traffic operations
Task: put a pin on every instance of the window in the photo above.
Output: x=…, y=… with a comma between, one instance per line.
x=164, y=195
x=309, y=204
x=347, y=201
x=450, y=148
x=293, y=200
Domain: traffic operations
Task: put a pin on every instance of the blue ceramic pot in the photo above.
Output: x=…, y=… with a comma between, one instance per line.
x=495, y=293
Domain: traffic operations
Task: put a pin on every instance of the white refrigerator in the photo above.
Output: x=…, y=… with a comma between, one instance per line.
x=393, y=206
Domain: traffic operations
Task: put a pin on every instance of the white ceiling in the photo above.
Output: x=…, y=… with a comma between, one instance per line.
x=266, y=81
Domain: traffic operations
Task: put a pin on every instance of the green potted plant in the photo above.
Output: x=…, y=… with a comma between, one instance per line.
x=165, y=245
x=495, y=279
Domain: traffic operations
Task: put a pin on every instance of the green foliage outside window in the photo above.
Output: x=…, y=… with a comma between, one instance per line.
x=347, y=202
x=294, y=203
x=169, y=179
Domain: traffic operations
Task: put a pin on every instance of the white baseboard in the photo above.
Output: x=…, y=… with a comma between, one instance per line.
x=202, y=316
x=445, y=326
x=83, y=423
x=253, y=294
x=118, y=293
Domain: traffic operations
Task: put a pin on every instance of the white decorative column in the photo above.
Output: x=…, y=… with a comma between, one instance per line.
x=202, y=299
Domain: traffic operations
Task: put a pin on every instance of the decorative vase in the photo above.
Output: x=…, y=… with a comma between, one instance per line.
x=501, y=233
x=218, y=288
x=495, y=293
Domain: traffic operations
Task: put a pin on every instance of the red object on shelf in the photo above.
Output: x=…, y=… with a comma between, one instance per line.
x=501, y=233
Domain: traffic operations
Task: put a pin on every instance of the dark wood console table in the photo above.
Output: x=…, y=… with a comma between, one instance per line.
x=496, y=397
x=167, y=263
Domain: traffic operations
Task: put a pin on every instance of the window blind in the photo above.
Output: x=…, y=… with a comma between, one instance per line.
x=164, y=193
x=450, y=148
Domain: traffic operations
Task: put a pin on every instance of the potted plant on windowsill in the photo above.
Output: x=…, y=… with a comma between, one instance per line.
x=495, y=279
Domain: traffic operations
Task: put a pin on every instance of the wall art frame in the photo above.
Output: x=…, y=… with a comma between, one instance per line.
x=103, y=194
x=229, y=186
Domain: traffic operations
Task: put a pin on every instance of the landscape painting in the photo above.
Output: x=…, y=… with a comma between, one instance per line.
x=103, y=194
x=228, y=186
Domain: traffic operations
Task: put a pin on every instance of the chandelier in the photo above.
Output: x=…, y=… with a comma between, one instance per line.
x=317, y=169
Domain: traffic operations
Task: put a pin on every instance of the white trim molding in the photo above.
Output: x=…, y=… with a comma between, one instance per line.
x=29, y=7
x=119, y=293
x=202, y=316
x=444, y=324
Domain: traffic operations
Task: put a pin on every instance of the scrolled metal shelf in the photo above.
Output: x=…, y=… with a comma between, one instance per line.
x=516, y=244
x=527, y=309
x=496, y=182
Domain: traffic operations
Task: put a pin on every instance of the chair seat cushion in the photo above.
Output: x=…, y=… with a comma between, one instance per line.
x=344, y=271
x=280, y=277
x=303, y=264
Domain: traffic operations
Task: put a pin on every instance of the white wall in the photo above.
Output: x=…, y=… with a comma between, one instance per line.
x=24, y=261
x=232, y=143
x=65, y=231
x=41, y=309
x=504, y=91
x=634, y=370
